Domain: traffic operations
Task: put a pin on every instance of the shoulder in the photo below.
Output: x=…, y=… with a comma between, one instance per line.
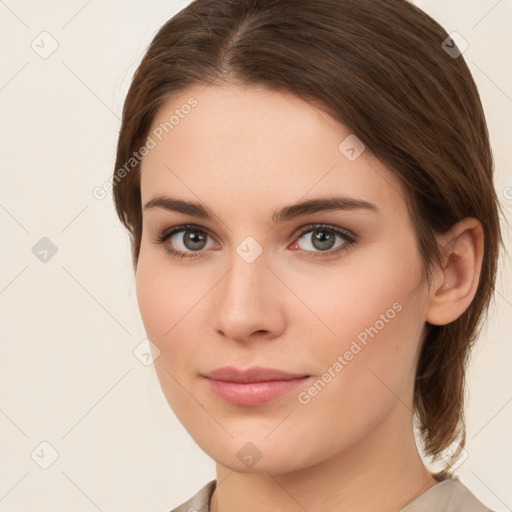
x=451, y=495
x=448, y=496
x=200, y=502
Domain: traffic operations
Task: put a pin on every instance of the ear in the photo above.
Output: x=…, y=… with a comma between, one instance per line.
x=455, y=285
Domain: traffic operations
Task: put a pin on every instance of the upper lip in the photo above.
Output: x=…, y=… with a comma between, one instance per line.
x=255, y=374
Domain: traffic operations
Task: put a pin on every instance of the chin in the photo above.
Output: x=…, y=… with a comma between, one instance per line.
x=259, y=456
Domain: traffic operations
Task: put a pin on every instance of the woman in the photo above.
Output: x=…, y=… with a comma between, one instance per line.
x=315, y=234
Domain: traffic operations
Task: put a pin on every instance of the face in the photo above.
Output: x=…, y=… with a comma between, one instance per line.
x=328, y=293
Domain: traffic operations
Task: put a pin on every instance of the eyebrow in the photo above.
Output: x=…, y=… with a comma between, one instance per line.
x=290, y=212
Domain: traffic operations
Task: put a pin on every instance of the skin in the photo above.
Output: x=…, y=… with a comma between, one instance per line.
x=245, y=152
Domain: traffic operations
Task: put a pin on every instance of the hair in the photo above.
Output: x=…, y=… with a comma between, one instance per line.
x=379, y=68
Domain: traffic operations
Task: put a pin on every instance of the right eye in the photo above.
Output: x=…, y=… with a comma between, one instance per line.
x=188, y=239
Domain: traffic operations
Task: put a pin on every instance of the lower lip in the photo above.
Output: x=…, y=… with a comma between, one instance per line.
x=250, y=394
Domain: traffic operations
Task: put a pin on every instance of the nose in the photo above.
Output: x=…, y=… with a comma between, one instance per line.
x=248, y=302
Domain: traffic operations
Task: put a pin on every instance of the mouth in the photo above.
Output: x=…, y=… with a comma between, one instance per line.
x=254, y=386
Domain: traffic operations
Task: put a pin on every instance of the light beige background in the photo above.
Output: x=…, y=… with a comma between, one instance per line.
x=69, y=326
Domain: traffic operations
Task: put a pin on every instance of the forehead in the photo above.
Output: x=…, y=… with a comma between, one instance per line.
x=255, y=145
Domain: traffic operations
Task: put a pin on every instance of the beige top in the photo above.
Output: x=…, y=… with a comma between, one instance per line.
x=450, y=495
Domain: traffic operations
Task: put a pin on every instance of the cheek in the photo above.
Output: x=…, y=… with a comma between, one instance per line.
x=153, y=300
x=159, y=302
x=364, y=375
x=170, y=305
x=163, y=303
x=367, y=296
x=370, y=360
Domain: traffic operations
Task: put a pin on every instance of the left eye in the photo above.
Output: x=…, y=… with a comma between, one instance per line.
x=192, y=240
x=322, y=239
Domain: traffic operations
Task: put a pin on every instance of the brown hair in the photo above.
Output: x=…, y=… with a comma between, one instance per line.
x=378, y=67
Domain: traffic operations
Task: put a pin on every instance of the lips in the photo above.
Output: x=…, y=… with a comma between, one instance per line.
x=255, y=374
x=254, y=386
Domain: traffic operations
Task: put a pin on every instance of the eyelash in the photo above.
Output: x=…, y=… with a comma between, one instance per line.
x=350, y=240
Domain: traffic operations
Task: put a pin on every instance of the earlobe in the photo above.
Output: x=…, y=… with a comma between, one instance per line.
x=456, y=284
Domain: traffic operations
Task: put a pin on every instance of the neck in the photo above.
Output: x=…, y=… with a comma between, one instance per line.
x=383, y=471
